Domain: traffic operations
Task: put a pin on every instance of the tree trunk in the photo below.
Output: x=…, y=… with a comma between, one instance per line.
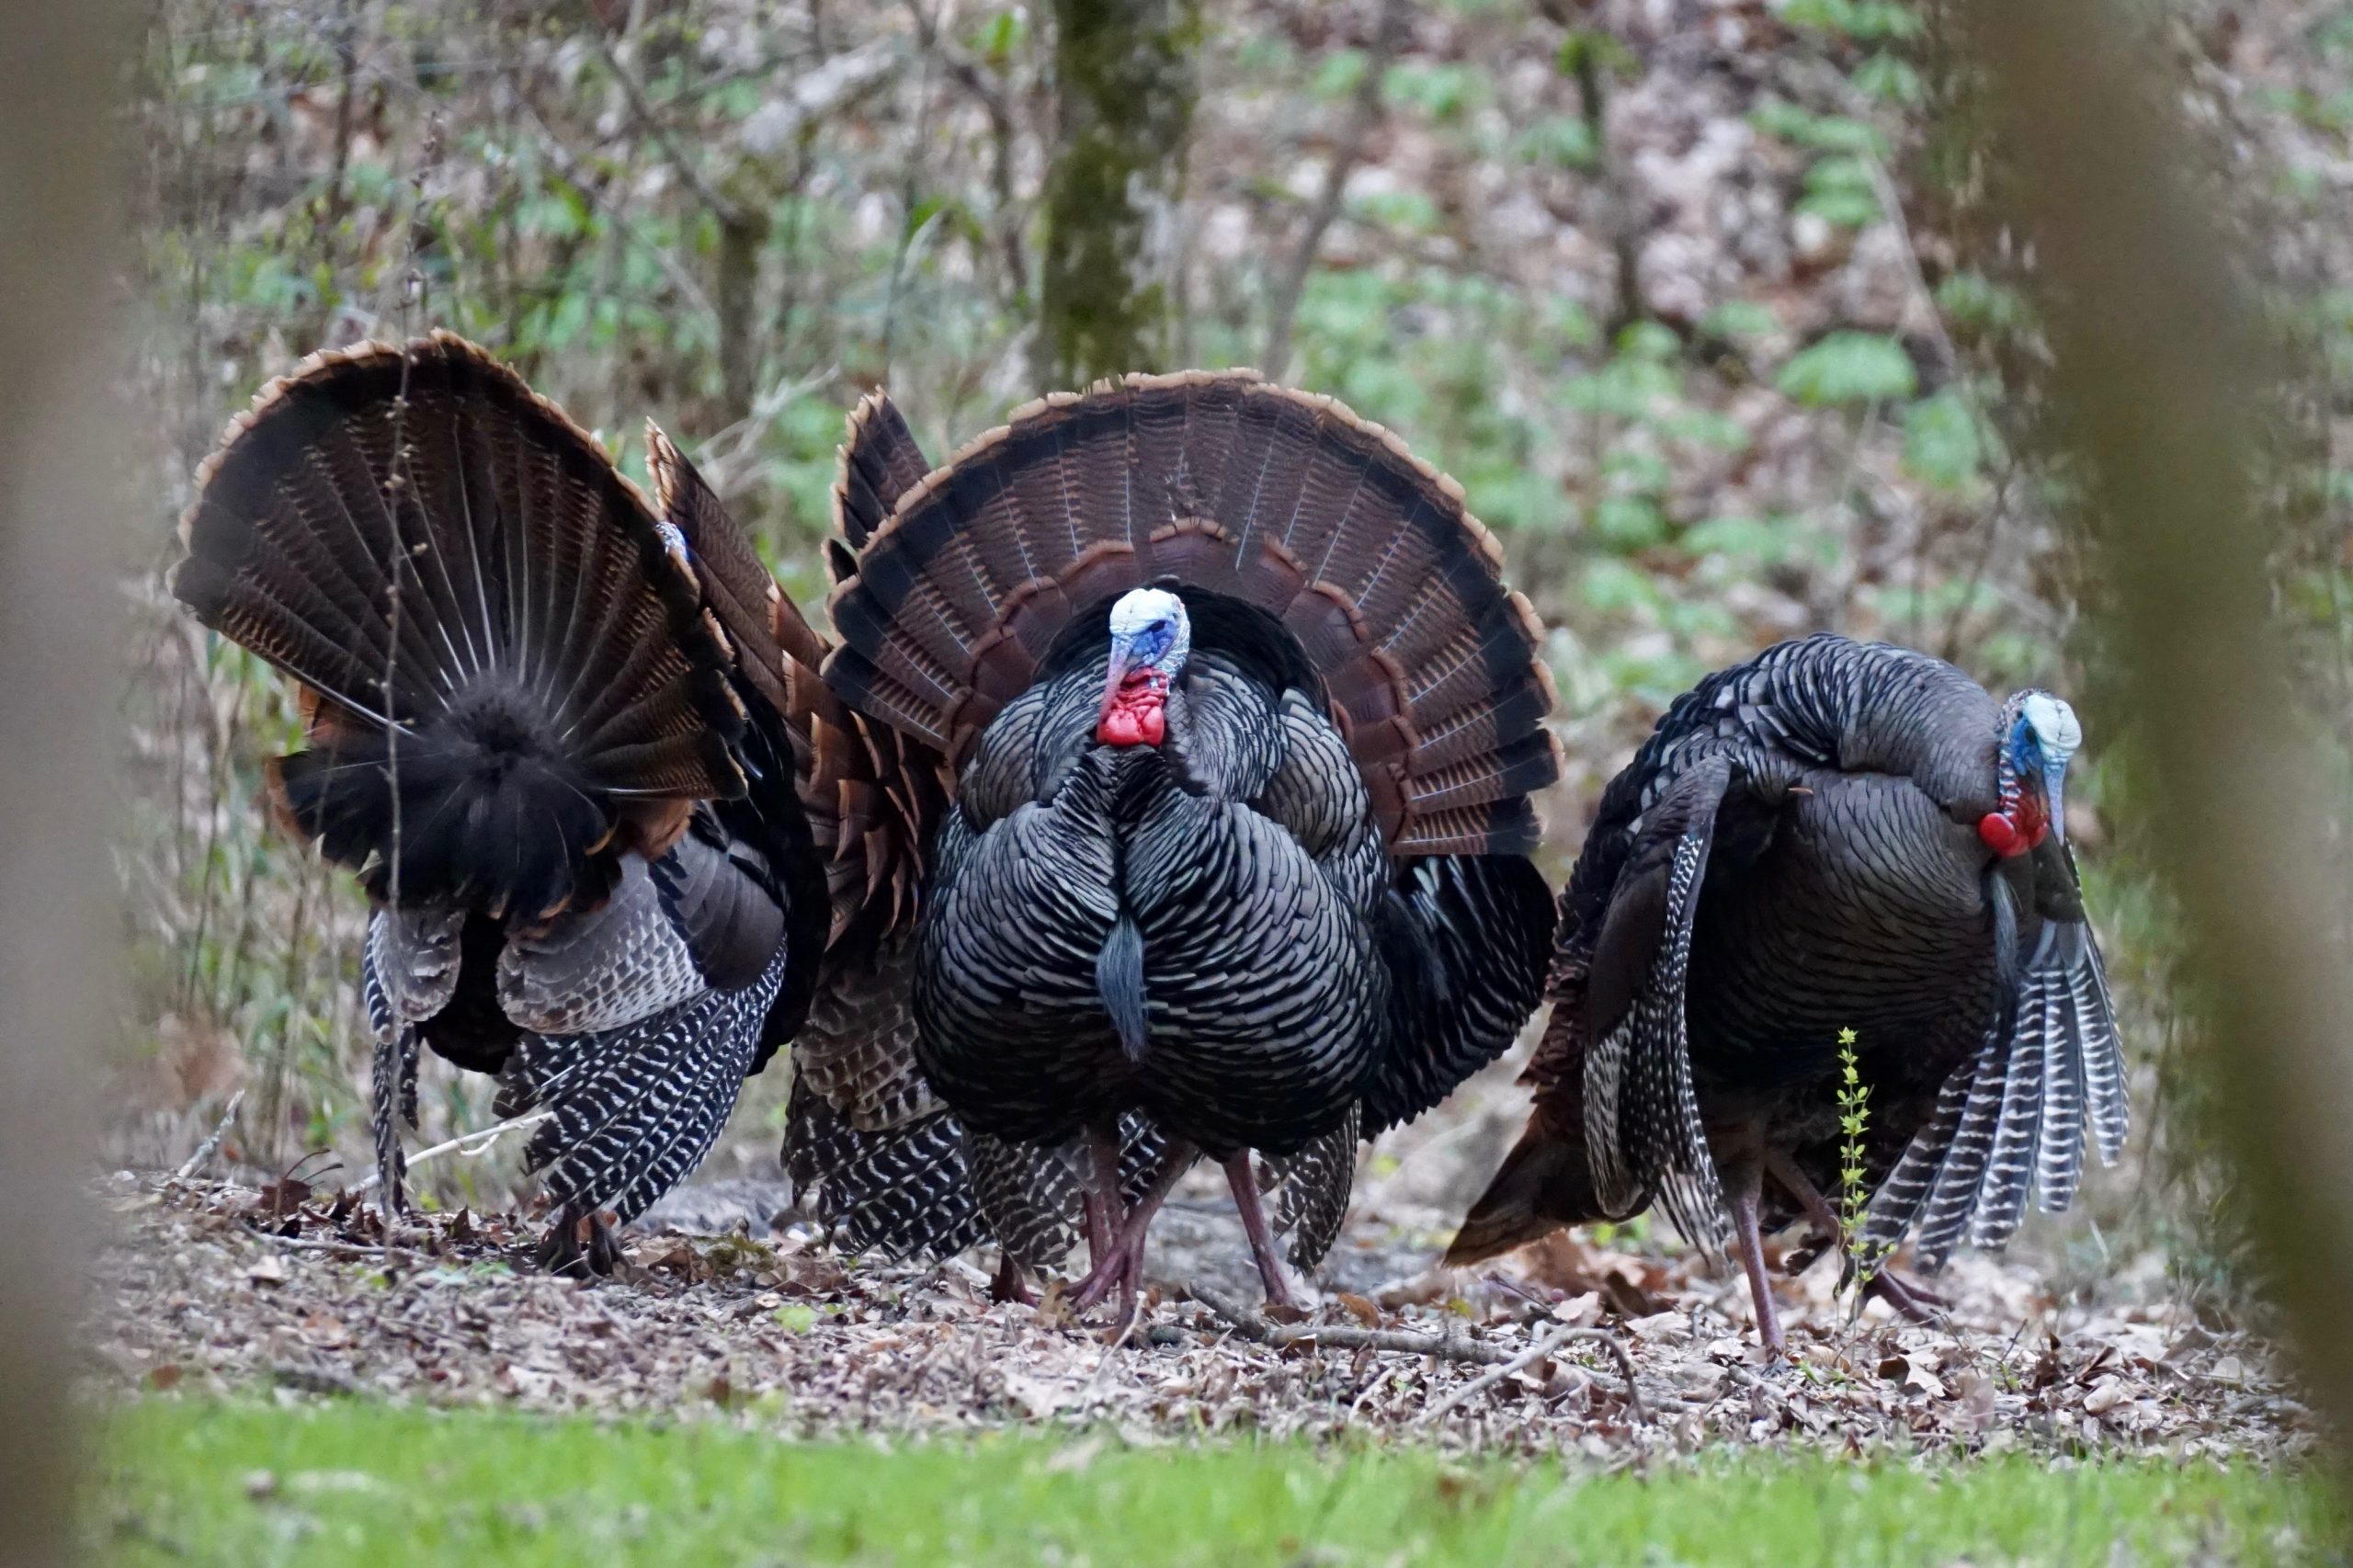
x=1124, y=89
x=59, y=211
x=2160, y=379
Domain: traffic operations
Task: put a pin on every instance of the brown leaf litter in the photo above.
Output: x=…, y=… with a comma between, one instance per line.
x=212, y=1289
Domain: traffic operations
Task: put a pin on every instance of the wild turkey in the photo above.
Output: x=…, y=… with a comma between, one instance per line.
x=1241, y=727
x=543, y=719
x=1833, y=835
x=873, y=1155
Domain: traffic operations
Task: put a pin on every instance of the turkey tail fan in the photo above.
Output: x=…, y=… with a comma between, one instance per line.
x=871, y=794
x=1470, y=937
x=1544, y=1183
x=735, y=583
x=900, y=1190
x=1230, y=485
x=509, y=677
x=880, y=462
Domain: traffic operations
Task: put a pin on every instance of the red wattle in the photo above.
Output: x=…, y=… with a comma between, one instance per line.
x=2001, y=835
x=1136, y=716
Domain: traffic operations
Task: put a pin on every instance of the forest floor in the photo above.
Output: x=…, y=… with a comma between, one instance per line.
x=209, y=1290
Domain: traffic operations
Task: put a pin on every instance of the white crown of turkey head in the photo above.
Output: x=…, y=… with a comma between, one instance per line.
x=1149, y=627
x=2055, y=725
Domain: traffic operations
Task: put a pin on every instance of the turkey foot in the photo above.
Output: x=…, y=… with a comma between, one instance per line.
x=1121, y=1267
x=1245, y=1183
x=1911, y=1300
x=579, y=1246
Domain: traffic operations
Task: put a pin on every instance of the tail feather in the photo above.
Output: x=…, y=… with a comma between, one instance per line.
x=1312, y=1189
x=511, y=660
x=880, y=462
x=900, y=1190
x=1286, y=502
x=1545, y=1183
x=749, y=605
x=637, y=1108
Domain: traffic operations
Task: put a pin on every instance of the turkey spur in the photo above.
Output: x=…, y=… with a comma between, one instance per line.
x=543, y=725
x=1240, y=725
x=1833, y=835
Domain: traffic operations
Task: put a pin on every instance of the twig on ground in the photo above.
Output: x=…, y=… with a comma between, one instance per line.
x=1534, y=1353
x=206, y=1150
x=1339, y=1336
x=1332, y=1336
x=469, y=1146
x=313, y=1379
x=370, y=1252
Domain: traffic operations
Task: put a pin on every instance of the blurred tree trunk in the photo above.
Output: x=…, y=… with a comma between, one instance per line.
x=59, y=212
x=1124, y=86
x=2160, y=381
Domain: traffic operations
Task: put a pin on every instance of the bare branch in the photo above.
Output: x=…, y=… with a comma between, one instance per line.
x=1364, y=119
x=727, y=210
x=1446, y=1347
x=1535, y=1353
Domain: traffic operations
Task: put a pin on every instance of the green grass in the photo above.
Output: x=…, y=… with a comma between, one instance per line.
x=364, y=1484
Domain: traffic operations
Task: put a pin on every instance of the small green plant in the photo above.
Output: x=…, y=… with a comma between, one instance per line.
x=1864, y=1258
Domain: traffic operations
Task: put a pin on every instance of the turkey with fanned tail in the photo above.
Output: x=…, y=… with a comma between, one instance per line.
x=1235, y=728
x=1833, y=835
x=543, y=719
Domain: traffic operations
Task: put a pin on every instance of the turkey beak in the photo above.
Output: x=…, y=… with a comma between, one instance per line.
x=1122, y=660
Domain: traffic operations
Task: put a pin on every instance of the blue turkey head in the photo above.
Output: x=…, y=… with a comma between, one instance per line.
x=2039, y=736
x=1150, y=638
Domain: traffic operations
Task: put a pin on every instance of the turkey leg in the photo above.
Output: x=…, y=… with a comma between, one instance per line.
x=1121, y=1266
x=1100, y=1205
x=1747, y=1183
x=1245, y=1183
x=1911, y=1301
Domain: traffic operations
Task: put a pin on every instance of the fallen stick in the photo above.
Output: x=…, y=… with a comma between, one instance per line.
x=363, y=1250
x=1536, y=1353
x=1446, y=1347
x=206, y=1150
x=468, y=1145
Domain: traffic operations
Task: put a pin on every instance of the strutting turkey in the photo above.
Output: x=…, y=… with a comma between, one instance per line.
x=1833, y=835
x=1235, y=727
x=874, y=1156
x=543, y=725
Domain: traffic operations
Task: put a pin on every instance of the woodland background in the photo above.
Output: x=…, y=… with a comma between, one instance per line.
x=1720, y=337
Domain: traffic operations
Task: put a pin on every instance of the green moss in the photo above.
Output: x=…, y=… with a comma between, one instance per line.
x=1125, y=85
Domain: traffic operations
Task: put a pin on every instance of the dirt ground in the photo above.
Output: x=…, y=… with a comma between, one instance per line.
x=203, y=1286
